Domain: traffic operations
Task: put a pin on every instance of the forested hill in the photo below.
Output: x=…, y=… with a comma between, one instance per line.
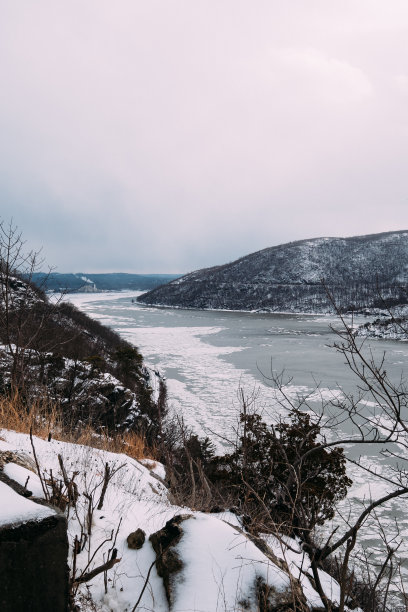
x=360, y=272
x=112, y=281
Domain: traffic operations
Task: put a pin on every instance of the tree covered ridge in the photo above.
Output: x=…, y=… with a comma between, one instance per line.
x=294, y=277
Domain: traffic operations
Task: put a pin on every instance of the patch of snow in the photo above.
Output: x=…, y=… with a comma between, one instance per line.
x=155, y=467
x=215, y=554
x=24, y=477
x=298, y=562
x=15, y=508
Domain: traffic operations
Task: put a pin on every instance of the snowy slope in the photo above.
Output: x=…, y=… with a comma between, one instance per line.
x=221, y=568
x=289, y=277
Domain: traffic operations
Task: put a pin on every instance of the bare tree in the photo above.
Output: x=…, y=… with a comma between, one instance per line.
x=290, y=476
x=377, y=416
x=24, y=308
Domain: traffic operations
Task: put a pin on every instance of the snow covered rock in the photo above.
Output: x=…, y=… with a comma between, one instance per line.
x=18, y=458
x=168, y=562
x=33, y=555
x=205, y=561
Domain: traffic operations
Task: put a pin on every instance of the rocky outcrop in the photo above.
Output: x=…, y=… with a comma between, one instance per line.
x=59, y=353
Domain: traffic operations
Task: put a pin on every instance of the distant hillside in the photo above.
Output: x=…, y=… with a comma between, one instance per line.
x=116, y=281
x=360, y=272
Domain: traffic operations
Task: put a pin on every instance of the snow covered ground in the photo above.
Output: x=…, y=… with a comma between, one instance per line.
x=220, y=566
x=389, y=328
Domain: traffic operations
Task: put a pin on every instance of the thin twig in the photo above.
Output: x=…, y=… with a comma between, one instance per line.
x=98, y=570
x=144, y=586
x=44, y=488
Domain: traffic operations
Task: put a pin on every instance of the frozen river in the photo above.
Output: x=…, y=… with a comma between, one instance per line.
x=207, y=356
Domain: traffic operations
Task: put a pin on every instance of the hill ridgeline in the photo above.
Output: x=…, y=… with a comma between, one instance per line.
x=360, y=272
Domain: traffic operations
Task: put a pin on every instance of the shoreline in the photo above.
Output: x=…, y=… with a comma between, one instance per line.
x=260, y=312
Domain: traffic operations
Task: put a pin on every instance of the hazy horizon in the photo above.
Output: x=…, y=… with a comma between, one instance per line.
x=220, y=263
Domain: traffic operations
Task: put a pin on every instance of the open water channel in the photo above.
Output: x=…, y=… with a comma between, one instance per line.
x=207, y=356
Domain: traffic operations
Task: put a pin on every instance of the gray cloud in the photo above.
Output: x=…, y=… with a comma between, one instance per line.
x=166, y=136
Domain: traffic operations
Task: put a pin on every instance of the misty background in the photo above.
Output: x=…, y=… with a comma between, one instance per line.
x=162, y=136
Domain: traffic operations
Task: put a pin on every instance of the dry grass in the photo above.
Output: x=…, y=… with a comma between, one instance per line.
x=41, y=415
x=45, y=418
x=135, y=446
x=130, y=443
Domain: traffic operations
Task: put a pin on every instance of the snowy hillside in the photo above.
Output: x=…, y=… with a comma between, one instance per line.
x=51, y=350
x=161, y=557
x=359, y=272
x=392, y=328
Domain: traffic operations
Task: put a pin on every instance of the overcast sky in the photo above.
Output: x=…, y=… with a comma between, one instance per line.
x=170, y=135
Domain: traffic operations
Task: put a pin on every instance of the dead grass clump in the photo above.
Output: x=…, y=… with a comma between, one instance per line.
x=135, y=446
x=44, y=419
x=129, y=443
x=41, y=415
